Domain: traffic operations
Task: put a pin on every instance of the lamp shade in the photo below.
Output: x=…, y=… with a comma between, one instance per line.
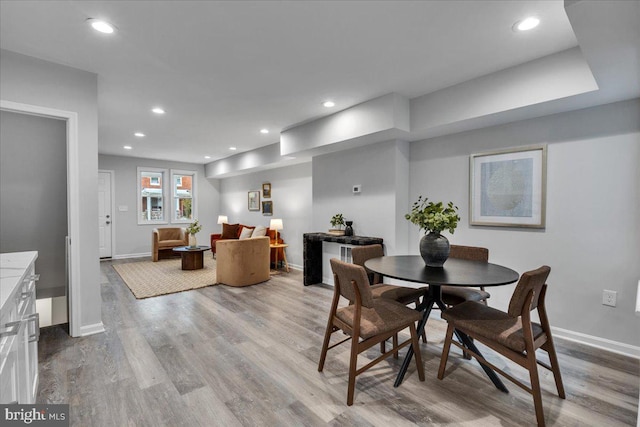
x=275, y=224
x=222, y=219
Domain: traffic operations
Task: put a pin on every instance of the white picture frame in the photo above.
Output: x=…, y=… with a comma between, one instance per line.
x=507, y=188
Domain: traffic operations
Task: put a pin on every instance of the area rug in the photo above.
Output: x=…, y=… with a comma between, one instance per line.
x=149, y=279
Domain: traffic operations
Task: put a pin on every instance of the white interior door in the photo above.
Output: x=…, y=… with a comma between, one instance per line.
x=104, y=213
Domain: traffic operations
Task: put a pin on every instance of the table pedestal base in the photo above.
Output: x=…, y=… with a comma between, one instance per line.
x=434, y=296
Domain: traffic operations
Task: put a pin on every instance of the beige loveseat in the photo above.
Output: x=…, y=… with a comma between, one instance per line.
x=242, y=262
x=165, y=239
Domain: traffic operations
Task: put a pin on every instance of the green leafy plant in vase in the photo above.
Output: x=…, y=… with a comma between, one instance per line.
x=192, y=230
x=337, y=222
x=434, y=218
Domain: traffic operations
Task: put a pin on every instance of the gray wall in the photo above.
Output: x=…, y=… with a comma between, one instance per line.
x=291, y=196
x=33, y=200
x=132, y=239
x=33, y=81
x=378, y=211
x=592, y=236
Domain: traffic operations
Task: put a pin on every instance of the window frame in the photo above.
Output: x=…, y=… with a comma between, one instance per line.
x=163, y=188
x=194, y=195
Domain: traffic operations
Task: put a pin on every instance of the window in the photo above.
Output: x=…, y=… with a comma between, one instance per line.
x=151, y=196
x=184, y=196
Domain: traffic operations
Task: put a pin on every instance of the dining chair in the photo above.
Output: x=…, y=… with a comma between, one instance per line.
x=454, y=295
x=402, y=294
x=367, y=320
x=511, y=333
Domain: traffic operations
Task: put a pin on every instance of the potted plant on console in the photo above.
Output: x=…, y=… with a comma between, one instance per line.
x=434, y=218
x=193, y=229
x=337, y=221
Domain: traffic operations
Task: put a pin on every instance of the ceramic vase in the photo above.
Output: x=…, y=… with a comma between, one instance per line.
x=193, y=243
x=348, y=230
x=434, y=249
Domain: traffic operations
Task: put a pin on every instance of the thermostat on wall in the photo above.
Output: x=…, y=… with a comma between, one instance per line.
x=357, y=189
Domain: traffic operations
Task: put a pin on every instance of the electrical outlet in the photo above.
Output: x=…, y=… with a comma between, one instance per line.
x=609, y=298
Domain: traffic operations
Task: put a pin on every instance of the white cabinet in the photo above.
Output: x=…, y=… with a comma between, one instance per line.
x=19, y=328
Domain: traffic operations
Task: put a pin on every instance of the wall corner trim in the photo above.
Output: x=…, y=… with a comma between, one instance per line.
x=87, y=330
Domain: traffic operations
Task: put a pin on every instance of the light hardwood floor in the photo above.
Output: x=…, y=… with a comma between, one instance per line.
x=248, y=356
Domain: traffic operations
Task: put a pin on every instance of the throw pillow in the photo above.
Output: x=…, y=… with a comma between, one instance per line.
x=230, y=231
x=259, y=231
x=246, y=232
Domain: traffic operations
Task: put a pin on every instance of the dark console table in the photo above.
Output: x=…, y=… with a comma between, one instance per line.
x=312, y=252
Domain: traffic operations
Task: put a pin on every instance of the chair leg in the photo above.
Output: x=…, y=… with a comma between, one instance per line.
x=535, y=387
x=353, y=362
x=395, y=345
x=466, y=355
x=325, y=346
x=417, y=353
x=445, y=351
x=555, y=366
x=383, y=347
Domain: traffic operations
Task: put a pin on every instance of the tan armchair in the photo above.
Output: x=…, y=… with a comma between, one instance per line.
x=165, y=239
x=242, y=262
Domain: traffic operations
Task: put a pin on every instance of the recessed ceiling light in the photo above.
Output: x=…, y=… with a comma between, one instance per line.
x=232, y=148
x=157, y=110
x=139, y=134
x=526, y=24
x=264, y=130
x=207, y=157
x=127, y=147
x=101, y=26
x=329, y=104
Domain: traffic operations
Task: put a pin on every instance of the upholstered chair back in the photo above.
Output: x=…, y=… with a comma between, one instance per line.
x=344, y=274
x=531, y=280
x=360, y=254
x=472, y=253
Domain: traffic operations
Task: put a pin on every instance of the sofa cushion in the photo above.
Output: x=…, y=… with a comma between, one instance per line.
x=230, y=231
x=170, y=243
x=246, y=232
x=259, y=231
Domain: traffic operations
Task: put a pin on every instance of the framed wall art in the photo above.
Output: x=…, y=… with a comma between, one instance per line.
x=508, y=188
x=266, y=190
x=254, y=200
x=267, y=207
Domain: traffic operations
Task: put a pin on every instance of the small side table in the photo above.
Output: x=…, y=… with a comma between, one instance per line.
x=192, y=258
x=284, y=254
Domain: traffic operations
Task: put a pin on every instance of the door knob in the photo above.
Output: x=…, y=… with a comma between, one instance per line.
x=108, y=222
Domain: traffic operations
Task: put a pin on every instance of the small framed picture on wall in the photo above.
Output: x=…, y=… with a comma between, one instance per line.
x=266, y=190
x=267, y=207
x=254, y=200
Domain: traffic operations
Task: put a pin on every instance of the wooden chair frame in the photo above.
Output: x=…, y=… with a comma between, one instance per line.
x=527, y=359
x=335, y=324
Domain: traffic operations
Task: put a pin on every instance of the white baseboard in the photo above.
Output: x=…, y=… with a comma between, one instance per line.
x=590, y=340
x=123, y=256
x=96, y=328
x=296, y=267
x=597, y=342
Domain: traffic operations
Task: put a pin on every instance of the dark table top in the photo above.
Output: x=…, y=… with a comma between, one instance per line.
x=456, y=272
x=190, y=249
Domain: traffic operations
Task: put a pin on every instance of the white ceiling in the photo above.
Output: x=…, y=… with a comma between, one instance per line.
x=224, y=70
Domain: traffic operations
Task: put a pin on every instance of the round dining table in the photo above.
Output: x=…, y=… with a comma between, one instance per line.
x=455, y=272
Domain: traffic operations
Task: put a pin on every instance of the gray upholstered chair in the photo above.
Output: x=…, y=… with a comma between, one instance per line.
x=367, y=320
x=511, y=334
x=454, y=295
x=402, y=294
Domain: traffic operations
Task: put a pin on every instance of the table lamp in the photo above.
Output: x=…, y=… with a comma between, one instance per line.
x=276, y=224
